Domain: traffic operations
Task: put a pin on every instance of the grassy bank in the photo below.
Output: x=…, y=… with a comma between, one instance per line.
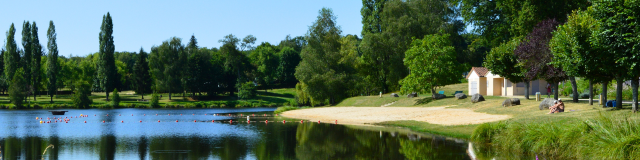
x=584, y=131
x=271, y=98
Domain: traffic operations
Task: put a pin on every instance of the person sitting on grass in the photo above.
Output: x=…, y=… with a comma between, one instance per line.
x=557, y=107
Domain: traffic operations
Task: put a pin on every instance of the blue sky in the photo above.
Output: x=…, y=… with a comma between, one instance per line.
x=142, y=23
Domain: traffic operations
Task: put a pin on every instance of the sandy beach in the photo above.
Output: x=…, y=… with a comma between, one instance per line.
x=370, y=115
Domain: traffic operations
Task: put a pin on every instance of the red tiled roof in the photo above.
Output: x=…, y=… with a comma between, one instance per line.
x=481, y=71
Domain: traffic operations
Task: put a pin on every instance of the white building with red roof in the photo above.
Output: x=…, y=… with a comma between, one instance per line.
x=482, y=81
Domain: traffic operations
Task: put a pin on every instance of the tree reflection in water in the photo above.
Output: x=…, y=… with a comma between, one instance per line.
x=271, y=141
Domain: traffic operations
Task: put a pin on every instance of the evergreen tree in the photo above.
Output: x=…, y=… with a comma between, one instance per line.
x=52, y=60
x=107, y=74
x=36, y=51
x=142, y=81
x=11, y=56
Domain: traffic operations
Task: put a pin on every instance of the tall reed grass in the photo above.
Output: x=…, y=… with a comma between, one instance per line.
x=607, y=136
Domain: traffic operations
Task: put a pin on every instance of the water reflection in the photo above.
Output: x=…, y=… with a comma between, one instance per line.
x=206, y=140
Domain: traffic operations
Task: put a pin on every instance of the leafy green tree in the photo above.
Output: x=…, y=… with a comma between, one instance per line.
x=164, y=67
x=52, y=60
x=247, y=43
x=116, y=98
x=322, y=69
x=501, y=20
x=107, y=73
x=289, y=59
x=202, y=73
x=430, y=60
x=573, y=50
x=4, y=82
x=141, y=73
x=234, y=59
x=17, y=88
x=266, y=61
x=619, y=38
x=296, y=43
x=371, y=16
x=36, y=51
x=502, y=61
x=246, y=90
x=11, y=55
x=81, y=94
x=399, y=21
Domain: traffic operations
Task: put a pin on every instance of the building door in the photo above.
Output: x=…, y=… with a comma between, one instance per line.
x=474, y=88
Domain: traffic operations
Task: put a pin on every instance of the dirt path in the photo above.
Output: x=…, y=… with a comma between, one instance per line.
x=368, y=115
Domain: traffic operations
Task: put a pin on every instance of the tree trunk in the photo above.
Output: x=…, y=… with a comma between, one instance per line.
x=526, y=89
x=590, y=92
x=51, y=98
x=107, y=95
x=574, y=88
x=433, y=93
x=169, y=93
x=603, y=96
x=619, y=82
x=142, y=95
x=555, y=90
x=634, y=86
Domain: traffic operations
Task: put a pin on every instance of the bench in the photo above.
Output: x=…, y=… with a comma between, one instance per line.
x=457, y=92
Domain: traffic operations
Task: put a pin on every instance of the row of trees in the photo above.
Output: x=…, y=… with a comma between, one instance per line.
x=596, y=40
x=336, y=66
x=171, y=67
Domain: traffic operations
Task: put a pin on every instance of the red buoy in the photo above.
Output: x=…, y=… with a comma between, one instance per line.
x=119, y=114
x=176, y=120
x=122, y=121
x=266, y=121
x=318, y=121
x=194, y=120
x=336, y=121
x=102, y=121
x=230, y=121
x=213, y=121
x=85, y=121
x=158, y=120
x=248, y=122
x=131, y=114
x=284, y=121
x=140, y=121
x=300, y=121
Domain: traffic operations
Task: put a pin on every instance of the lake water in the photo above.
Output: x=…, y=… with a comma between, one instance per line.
x=123, y=136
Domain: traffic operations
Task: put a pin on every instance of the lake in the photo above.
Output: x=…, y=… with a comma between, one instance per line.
x=137, y=134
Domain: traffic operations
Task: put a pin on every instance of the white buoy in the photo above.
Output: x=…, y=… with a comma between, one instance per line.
x=247, y=118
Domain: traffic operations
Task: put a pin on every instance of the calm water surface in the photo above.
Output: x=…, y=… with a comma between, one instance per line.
x=123, y=136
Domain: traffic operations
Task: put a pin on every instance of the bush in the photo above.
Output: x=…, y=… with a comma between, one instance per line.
x=81, y=96
x=115, y=102
x=246, y=90
x=17, y=89
x=155, y=101
x=584, y=95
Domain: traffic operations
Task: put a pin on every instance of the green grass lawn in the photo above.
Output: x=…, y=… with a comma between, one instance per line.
x=278, y=97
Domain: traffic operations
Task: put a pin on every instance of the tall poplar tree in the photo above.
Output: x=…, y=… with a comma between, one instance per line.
x=141, y=73
x=52, y=60
x=107, y=74
x=11, y=55
x=36, y=52
x=27, y=57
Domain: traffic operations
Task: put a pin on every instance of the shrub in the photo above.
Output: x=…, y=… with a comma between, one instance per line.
x=189, y=105
x=155, y=101
x=17, y=89
x=584, y=95
x=115, y=102
x=246, y=90
x=81, y=96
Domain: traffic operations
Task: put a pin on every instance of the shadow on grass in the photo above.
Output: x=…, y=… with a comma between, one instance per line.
x=271, y=94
